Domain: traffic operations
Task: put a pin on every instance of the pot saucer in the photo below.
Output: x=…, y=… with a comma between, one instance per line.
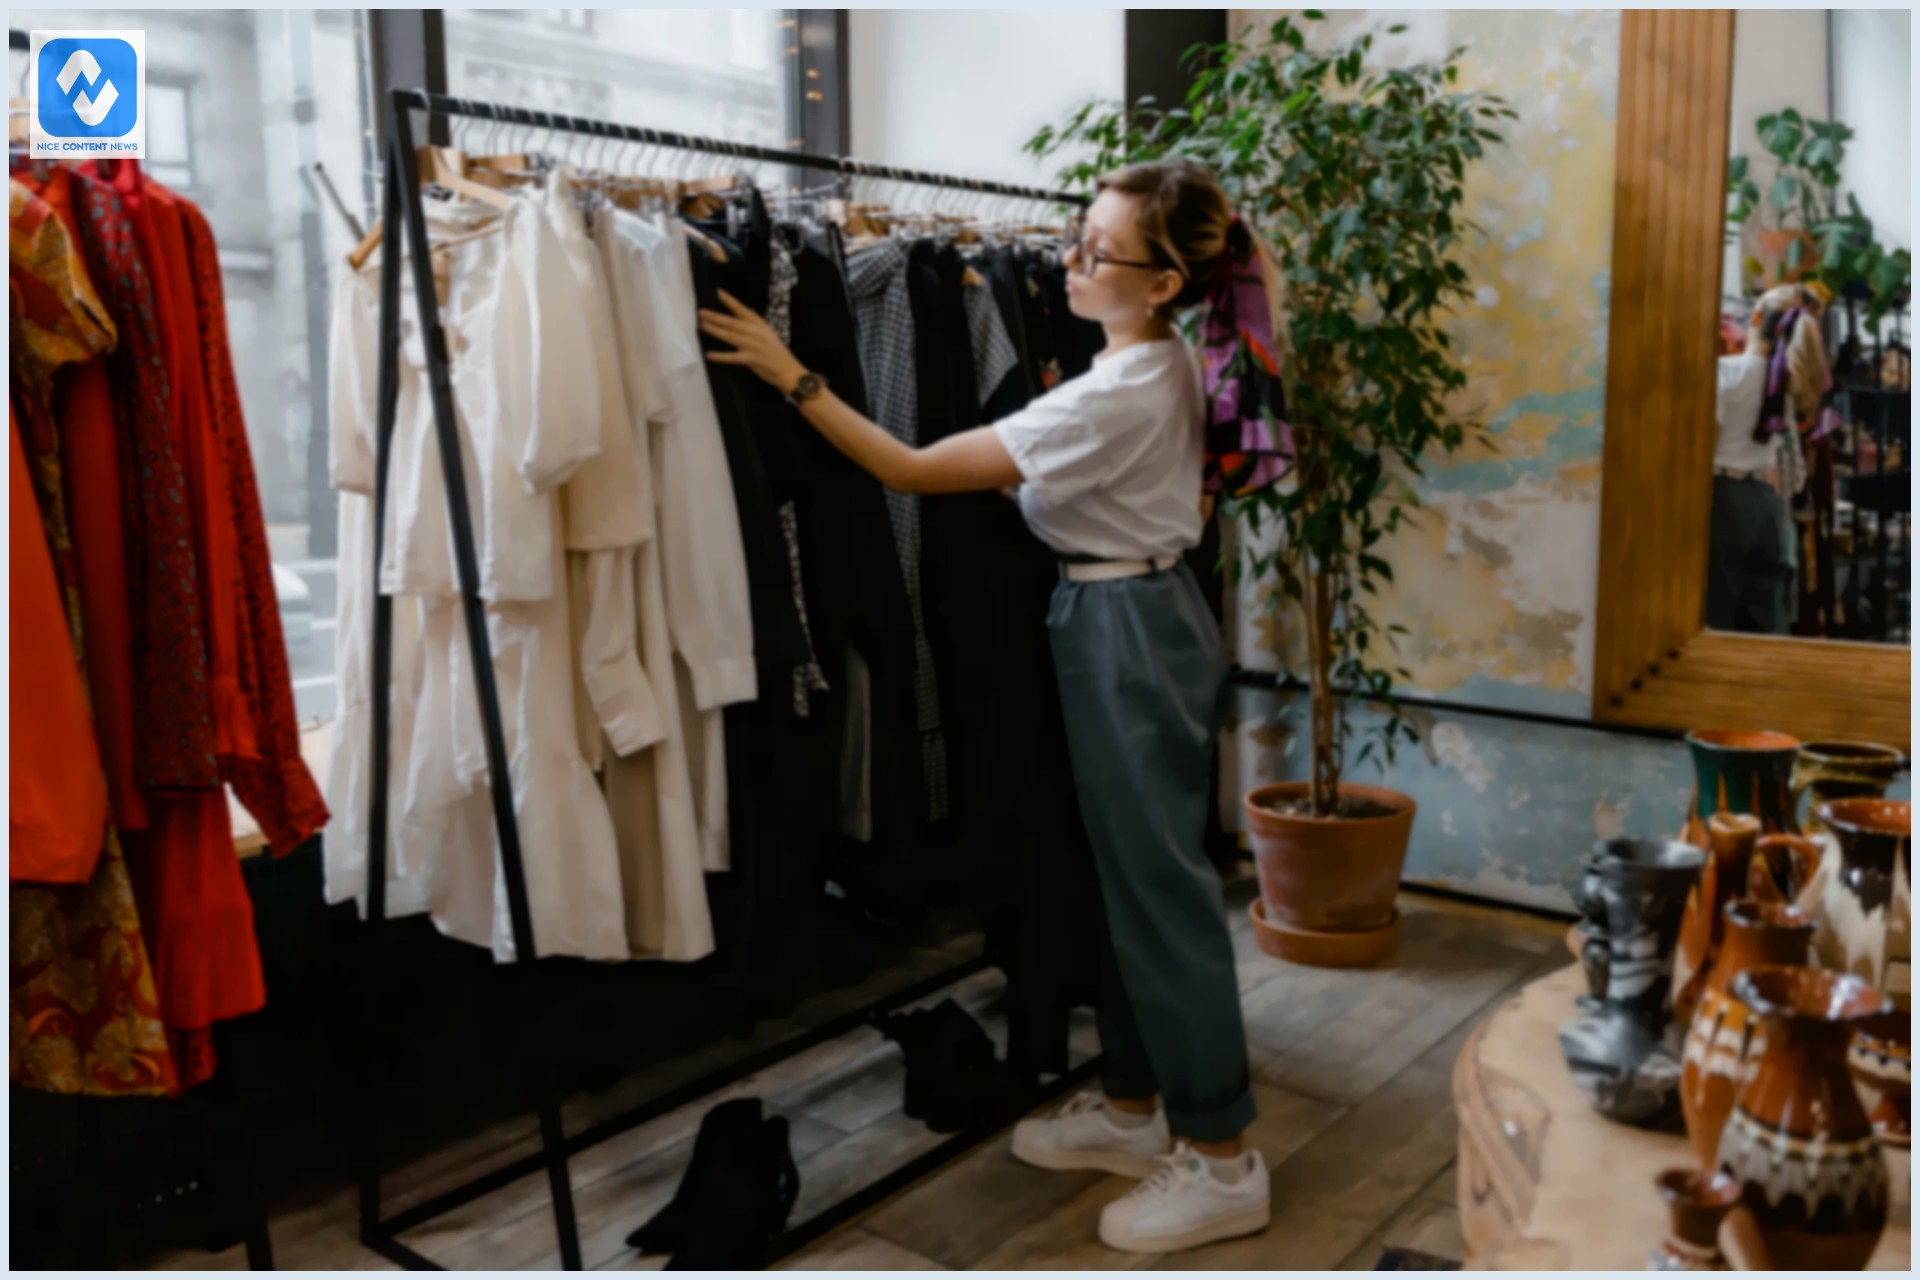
x=1321, y=949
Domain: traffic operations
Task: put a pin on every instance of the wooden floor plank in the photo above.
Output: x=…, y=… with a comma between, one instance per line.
x=852, y=1249
x=957, y=1216
x=1444, y=972
x=1424, y=1224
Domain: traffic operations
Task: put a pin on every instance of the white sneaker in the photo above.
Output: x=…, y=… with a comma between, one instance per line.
x=1183, y=1205
x=1081, y=1136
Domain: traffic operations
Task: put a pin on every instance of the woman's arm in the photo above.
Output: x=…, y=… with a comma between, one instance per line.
x=970, y=461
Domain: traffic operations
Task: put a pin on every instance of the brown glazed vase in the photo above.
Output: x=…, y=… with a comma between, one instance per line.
x=1730, y=841
x=1826, y=771
x=1881, y=1060
x=1321, y=876
x=1697, y=1201
x=1741, y=771
x=1725, y=1039
x=1813, y=1183
x=1784, y=868
x=1862, y=896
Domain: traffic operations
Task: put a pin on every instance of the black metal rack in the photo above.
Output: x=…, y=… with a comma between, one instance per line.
x=405, y=220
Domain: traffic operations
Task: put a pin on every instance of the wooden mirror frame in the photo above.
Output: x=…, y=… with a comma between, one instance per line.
x=1655, y=663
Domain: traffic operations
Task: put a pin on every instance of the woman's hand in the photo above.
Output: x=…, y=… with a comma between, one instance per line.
x=755, y=345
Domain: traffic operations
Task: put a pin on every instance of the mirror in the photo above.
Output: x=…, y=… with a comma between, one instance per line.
x=1655, y=662
x=1811, y=526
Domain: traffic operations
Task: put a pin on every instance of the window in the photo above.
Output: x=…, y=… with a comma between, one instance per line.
x=718, y=72
x=239, y=103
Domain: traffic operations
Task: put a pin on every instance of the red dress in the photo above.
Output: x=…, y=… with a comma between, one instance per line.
x=83, y=1011
x=90, y=459
x=173, y=720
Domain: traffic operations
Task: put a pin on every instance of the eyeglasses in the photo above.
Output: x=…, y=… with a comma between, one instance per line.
x=1088, y=260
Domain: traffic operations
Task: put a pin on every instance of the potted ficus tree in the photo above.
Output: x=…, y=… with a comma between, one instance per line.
x=1354, y=174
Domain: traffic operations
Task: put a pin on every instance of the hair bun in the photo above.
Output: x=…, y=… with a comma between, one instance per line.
x=1239, y=235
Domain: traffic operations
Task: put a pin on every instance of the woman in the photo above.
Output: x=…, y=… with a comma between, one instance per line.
x=1765, y=394
x=1108, y=469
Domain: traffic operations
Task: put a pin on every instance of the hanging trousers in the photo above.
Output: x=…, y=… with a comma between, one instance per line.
x=1140, y=667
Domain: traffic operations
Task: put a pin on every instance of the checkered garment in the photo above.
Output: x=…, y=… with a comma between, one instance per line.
x=877, y=280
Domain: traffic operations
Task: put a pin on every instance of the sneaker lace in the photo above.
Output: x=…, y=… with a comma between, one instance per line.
x=1080, y=1104
x=1176, y=1166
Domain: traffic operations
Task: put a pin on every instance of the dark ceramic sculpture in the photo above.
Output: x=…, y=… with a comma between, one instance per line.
x=1697, y=1201
x=1625, y=1053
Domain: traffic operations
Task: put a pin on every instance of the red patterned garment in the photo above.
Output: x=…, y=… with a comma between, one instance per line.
x=174, y=732
x=277, y=788
x=83, y=1008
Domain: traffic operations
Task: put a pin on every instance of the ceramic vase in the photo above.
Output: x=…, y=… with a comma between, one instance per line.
x=1741, y=771
x=1784, y=868
x=1697, y=1202
x=1624, y=1053
x=1813, y=1184
x=1826, y=771
x=1730, y=841
x=1881, y=1060
x=1725, y=1038
x=1861, y=895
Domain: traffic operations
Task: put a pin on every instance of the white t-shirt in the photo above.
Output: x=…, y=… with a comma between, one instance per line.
x=1112, y=459
x=1742, y=390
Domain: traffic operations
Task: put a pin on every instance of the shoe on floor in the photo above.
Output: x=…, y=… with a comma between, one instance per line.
x=1184, y=1205
x=1081, y=1136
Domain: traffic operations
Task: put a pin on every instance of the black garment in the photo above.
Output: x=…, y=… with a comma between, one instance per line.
x=857, y=597
x=1019, y=840
x=779, y=644
x=1748, y=578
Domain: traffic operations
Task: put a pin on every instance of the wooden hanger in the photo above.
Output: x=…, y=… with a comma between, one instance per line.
x=444, y=167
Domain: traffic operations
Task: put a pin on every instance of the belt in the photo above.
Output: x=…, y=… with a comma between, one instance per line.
x=1108, y=570
x=1734, y=473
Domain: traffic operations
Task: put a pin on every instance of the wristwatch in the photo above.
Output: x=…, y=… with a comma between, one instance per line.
x=809, y=386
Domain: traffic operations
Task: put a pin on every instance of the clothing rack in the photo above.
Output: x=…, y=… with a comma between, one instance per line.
x=405, y=220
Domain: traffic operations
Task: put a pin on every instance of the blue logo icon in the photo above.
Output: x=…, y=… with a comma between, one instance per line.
x=89, y=87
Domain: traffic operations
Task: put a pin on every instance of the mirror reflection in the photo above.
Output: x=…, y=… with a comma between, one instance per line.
x=1811, y=522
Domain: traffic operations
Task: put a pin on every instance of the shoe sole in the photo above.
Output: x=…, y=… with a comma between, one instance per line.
x=1115, y=1162
x=1249, y=1222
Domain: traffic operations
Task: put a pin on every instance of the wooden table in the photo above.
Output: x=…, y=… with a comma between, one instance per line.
x=1546, y=1183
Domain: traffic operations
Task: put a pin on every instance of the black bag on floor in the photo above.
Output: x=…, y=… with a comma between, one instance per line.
x=955, y=1080
x=734, y=1198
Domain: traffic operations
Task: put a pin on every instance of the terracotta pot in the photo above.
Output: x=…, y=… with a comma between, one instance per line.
x=1861, y=895
x=1826, y=771
x=1730, y=841
x=1771, y=249
x=1623, y=1050
x=1725, y=1038
x=1697, y=1202
x=1328, y=875
x=1813, y=1184
x=1346, y=949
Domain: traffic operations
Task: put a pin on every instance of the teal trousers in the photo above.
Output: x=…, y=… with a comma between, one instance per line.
x=1140, y=668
